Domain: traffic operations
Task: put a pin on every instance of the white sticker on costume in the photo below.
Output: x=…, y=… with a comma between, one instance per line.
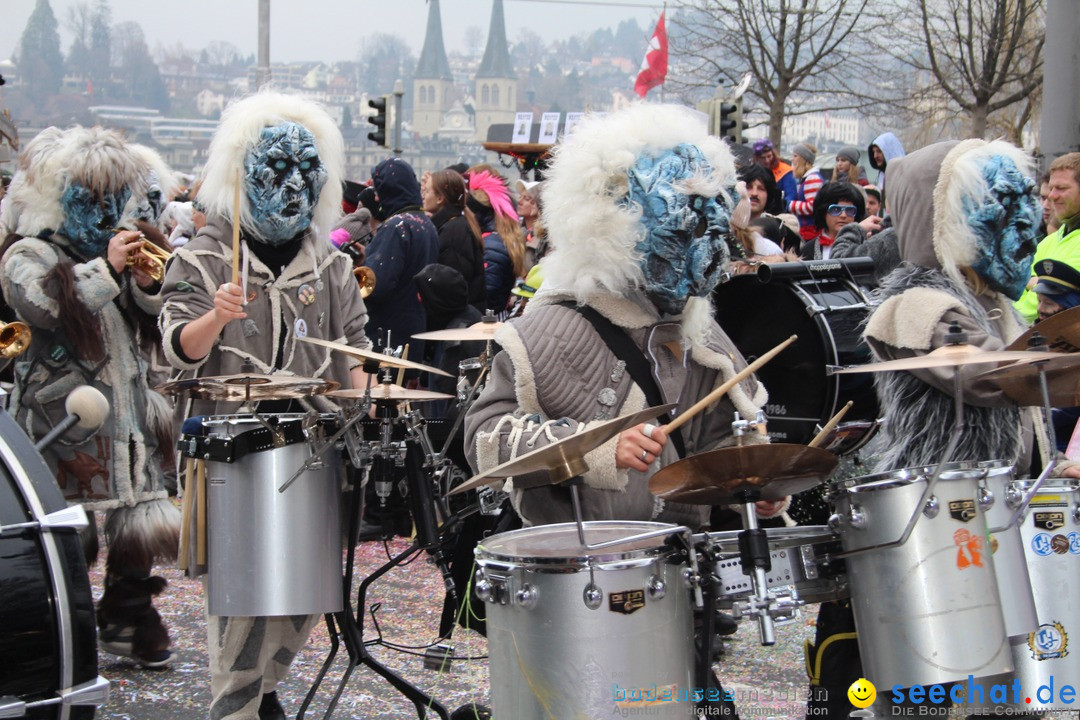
x=300, y=328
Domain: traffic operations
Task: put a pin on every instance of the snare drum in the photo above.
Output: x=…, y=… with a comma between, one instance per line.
x=586, y=633
x=800, y=558
x=270, y=552
x=927, y=611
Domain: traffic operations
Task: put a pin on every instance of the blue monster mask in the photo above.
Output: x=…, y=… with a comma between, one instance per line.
x=683, y=252
x=284, y=179
x=90, y=219
x=1006, y=225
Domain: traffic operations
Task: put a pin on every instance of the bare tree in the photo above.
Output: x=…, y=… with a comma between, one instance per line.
x=983, y=55
x=802, y=55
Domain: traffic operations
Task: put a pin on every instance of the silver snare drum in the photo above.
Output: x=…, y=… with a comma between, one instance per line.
x=270, y=552
x=801, y=558
x=586, y=633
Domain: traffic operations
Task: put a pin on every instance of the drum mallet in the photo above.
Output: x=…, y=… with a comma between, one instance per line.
x=86, y=407
x=725, y=388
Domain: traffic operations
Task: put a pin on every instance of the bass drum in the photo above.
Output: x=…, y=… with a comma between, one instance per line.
x=826, y=312
x=48, y=647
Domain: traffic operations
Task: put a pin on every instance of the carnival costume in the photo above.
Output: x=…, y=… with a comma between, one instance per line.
x=88, y=322
x=298, y=286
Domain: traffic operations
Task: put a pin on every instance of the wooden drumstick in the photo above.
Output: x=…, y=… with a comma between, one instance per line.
x=185, y=514
x=401, y=371
x=831, y=425
x=723, y=389
x=236, y=231
x=200, y=509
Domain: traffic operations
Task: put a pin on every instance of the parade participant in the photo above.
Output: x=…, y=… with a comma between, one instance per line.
x=966, y=218
x=298, y=286
x=65, y=273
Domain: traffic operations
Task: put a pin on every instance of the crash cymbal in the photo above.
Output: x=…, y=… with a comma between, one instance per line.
x=383, y=360
x=713, y=478
x=1062, y=332
x=476, y=331
x=947, y=356
x=395, y=393
x=248, y=386
x=1020, y=381
x=563, y=459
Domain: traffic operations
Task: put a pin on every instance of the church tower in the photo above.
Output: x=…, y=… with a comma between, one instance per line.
x=496, y=87
x=433, y=83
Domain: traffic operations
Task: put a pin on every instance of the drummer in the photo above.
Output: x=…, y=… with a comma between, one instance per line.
x=297, y=286
x=966, y=216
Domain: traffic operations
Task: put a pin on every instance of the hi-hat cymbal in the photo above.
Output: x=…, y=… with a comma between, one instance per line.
x=248, y=386
x=715, y=477
x=383, y=360
x=947, y=356
x=476, y=331
x=394, y=393
x=563, y=459
x=1020, y=381
x=1061, y=330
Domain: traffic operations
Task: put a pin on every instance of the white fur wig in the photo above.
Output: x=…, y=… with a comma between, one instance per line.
x=96, y=158
x=593, y=236
x=961, y=179
x=242, y=124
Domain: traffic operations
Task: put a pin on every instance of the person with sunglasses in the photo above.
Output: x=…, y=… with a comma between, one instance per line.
x=836, y=205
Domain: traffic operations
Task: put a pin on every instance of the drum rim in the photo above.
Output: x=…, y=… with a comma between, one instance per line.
x=280, y=417
x=902, y=477
x=786, y=537
x=485, y=555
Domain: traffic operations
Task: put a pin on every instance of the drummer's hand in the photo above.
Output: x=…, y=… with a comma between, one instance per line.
x=1071, y=471
x=229, y=303
x=121, y=245
x=636, y=450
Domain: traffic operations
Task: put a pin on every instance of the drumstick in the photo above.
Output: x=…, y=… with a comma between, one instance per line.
x=185, y=515
x=200, y=509
x=236, y=231
x=401, y=371
x=723, y=389
x=831, y=425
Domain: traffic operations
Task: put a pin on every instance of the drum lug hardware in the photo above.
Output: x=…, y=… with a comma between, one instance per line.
x=691, y=578
x=810, y=569
x=592, y=595
x=492, y=589
x=986, y=498
x=526, y=596
x=657, y=588
x=932, y=507
x=1076, y=513
x=1013, y=498
x=855, y=519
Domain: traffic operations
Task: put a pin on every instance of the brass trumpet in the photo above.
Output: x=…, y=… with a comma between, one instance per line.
x=14, y=339
x=366, y=277
x=150, y=259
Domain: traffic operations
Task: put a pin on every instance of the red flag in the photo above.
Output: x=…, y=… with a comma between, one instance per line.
x=654, y=66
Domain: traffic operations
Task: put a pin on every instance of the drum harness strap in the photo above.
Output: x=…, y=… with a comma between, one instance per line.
x=637, y=365
x=231, y=449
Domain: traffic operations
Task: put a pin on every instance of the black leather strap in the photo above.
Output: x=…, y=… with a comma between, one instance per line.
x=216, y=448
x=637, y=364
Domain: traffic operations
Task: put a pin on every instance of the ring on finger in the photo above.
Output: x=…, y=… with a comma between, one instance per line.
x=644, y=456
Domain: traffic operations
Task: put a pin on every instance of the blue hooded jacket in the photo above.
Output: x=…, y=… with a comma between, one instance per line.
x=891, y=148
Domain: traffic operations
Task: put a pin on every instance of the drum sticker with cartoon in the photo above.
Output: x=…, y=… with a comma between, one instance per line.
x=1049, y=642
x=969, y=549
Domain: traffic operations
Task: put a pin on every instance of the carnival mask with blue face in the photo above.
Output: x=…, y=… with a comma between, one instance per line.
x=90, y=219
x=683, y=251
x=283, y=182
x=1005, y=224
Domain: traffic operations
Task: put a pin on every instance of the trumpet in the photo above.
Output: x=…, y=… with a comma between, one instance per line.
x=366, y=277
x=14, y=339
x=150, y=259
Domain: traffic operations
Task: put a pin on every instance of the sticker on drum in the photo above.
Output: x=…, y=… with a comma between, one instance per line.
x=569, y=626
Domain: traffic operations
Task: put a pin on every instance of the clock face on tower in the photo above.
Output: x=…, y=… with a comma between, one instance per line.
x=456, y=120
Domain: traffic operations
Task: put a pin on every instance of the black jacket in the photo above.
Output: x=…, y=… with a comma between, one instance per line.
x=461, y=250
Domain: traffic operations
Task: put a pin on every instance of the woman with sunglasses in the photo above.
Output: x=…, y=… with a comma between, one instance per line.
x=836, y=205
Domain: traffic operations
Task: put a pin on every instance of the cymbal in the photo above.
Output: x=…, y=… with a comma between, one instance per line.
x=947, y=356
x=395, y=393
x=1061, y=330
x=248, y=386
x=1020, y=381
x=476, y=331
x=563, y=459
x=713, y=478
x=383, y=360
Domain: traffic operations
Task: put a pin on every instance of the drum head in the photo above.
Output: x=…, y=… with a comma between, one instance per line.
x=559, y=544
x=826, y=314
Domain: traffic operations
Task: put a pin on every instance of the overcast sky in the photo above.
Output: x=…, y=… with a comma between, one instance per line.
x=332, y=29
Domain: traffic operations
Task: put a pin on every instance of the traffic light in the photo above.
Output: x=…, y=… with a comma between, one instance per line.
x=378, y=135
x=731, y=121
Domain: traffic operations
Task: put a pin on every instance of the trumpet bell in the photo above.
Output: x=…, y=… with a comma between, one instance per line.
x=366, y=277
x=14, y=339
x=150, y=259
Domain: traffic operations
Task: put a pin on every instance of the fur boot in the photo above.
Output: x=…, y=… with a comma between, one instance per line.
x=128, y=623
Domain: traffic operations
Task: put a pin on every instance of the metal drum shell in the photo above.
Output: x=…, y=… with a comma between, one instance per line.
x=797, y=556
x=272, y=553
x=552, y=656
x=927, y=611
